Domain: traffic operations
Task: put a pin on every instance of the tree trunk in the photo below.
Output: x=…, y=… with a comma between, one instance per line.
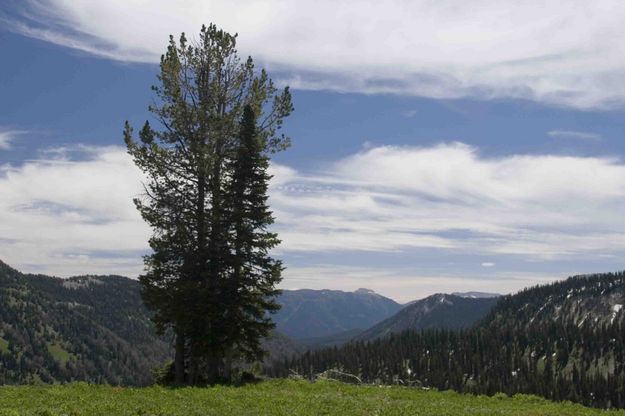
x=179, y=360
x=193, y=370
x=227, y=368
x=212, y=369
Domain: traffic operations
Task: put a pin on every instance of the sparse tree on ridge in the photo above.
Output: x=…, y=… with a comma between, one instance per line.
x=198, y=280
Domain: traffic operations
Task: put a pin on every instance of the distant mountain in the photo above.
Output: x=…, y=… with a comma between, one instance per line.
x=476, y=295
x=563, y=341
x=436, y=311
x=310, y=313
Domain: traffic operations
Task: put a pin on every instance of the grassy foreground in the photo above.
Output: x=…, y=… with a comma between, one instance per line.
x=277, y=397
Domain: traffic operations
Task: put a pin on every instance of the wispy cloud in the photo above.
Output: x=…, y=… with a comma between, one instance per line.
x=406, y=284
x=71, y=213
x=7, y=137
x=448, y=197
x=72, y=216
x=575, y=135
x=561, y=52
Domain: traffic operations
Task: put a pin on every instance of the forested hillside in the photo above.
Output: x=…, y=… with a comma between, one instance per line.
x=564, y=341
x=88, y=328
x=83, y=328
x=436, y=311
x=96, y=328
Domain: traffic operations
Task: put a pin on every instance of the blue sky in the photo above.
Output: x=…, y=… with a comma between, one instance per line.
x=466, y=157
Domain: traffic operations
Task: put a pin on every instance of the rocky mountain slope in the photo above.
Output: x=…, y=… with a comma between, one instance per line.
x=592, y=300
x=476, y=295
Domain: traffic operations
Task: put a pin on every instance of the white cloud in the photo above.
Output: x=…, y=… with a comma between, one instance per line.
x=576, y=135
x=449, y=197
x=66, y=217
x=7, y=137
x=71, y=213
x=409, y=113
x=563, y=52
x=406, y=285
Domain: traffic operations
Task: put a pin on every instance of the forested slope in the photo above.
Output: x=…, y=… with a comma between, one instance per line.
x=564, y=341
x=83, y=328
x=441, y=311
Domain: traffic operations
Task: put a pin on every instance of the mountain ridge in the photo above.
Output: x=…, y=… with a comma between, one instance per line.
x=441, y=310
x=309, y=313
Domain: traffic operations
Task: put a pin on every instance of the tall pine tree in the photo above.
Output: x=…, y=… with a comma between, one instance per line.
x=254, y=273
x=202, y=92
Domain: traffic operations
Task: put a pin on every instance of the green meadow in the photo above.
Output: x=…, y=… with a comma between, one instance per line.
x=274, y=397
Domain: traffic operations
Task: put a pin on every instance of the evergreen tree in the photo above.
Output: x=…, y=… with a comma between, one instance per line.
x=254, y=273
x=200, y=100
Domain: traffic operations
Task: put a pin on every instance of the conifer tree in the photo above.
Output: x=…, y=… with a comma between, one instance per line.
x=203, y=89
x=254, y=273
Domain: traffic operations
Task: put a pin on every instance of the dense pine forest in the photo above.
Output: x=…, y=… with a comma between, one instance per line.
x=564, y=341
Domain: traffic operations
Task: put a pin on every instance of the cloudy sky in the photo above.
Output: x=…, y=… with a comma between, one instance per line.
x=438, y=146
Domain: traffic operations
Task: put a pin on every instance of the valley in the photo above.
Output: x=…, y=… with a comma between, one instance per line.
x=554, y=340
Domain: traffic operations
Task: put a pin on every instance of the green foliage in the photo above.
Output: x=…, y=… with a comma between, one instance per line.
x=276, y=397
x=59, y=353
x=251, y=287
x=4, y=345
x=164, y=374
x=209, y=278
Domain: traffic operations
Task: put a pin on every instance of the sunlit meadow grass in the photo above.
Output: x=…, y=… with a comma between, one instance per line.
x=276, y=397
